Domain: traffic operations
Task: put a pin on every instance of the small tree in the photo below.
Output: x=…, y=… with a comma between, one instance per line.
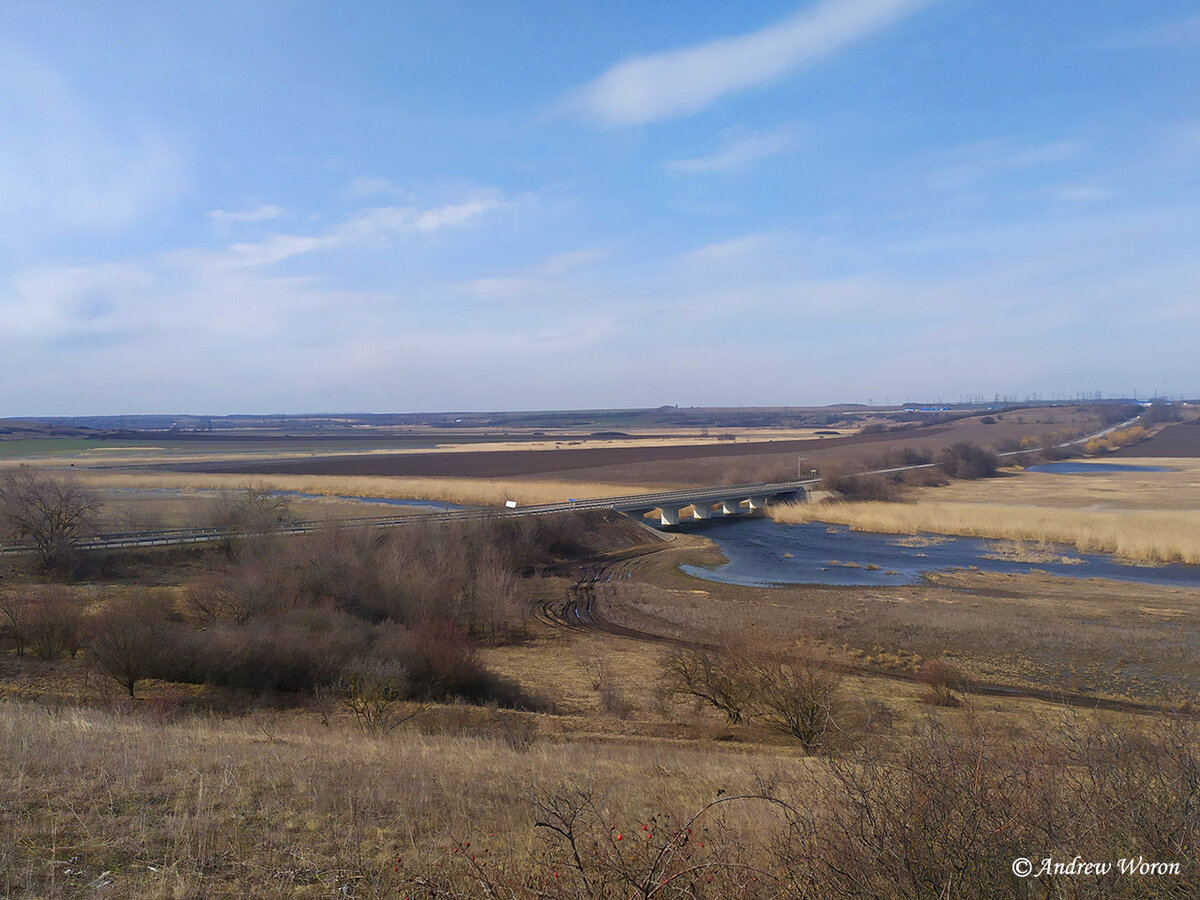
x=128, y=640
x=18, y=614
x=55, y=624
x=253, y=508
x=373, y=689
x=795, y=692
x=52, y=514
x=716, y=676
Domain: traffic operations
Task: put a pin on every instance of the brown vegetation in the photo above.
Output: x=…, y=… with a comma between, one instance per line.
x=51, y=513
x=1144, y=535
x=792, y=689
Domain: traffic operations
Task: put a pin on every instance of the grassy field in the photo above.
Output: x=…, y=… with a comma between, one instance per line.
x=209, y=790
x=467, y=491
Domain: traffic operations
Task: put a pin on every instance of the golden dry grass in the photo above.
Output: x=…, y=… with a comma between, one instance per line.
x=275, y=805
x=1155, y=536
x=468, y=491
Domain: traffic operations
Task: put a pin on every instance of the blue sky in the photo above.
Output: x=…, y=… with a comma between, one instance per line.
x=395, y=206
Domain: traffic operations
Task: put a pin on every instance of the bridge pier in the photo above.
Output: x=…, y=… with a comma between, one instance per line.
x=669, y=514
x=702, y=510
x=758, y=502
x=731, y=507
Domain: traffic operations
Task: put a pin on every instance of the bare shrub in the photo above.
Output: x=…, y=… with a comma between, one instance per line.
x=791, y=689
x=586, y=855
x=252, y=508
x=292, y=650
x=716, y=676
x=56, y=625
x=18, y=615
x=967, y=461
x=795, y=692
x=946, y=813
x=130, y=640
x=373, y=689
x=851, y=484
x=942, y=679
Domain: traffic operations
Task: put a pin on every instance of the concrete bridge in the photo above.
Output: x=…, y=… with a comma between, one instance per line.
x=708, y=503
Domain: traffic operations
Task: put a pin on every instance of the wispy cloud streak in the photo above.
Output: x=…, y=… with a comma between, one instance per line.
x=678, y=82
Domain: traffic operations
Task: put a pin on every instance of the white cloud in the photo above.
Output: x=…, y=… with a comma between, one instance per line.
x=543, y=280
x=724, y=253
x=368, y=226
x=56, y=302
x=737, y=154
x=678, y=82
x=258, y=214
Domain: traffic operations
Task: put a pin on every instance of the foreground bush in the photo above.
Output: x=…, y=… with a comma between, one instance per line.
x=791, y=689
x=942, y=814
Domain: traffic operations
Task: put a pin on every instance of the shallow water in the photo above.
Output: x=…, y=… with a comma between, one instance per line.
x=766, y=553
x=1090, y=468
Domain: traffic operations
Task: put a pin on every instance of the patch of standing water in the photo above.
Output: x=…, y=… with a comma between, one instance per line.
x=1090, y=468
x=766, y=553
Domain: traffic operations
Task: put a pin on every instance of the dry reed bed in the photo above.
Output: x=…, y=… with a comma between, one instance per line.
x=278, y=806
x=467, y=491
x=1149, y=536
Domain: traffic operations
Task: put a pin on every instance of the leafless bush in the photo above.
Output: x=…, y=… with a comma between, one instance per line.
x=792, y=689
x=942, y=679
x=716, y=676
x=130, y=640
x=856, y=485
x=253, y=509
x=946, y=813
x=587, y=855
x=373, y=689
x=968, y=461
x=18, y=615
x=55, y=625
x=795, y=692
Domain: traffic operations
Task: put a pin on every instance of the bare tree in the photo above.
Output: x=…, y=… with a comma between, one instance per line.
x=128, y=640
x=715, y=676
x=55, y=623
x=795, y=692
x=254, y=508
x=373, y=689
x=791, y=689
x=53, y=514
x=18, y=614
